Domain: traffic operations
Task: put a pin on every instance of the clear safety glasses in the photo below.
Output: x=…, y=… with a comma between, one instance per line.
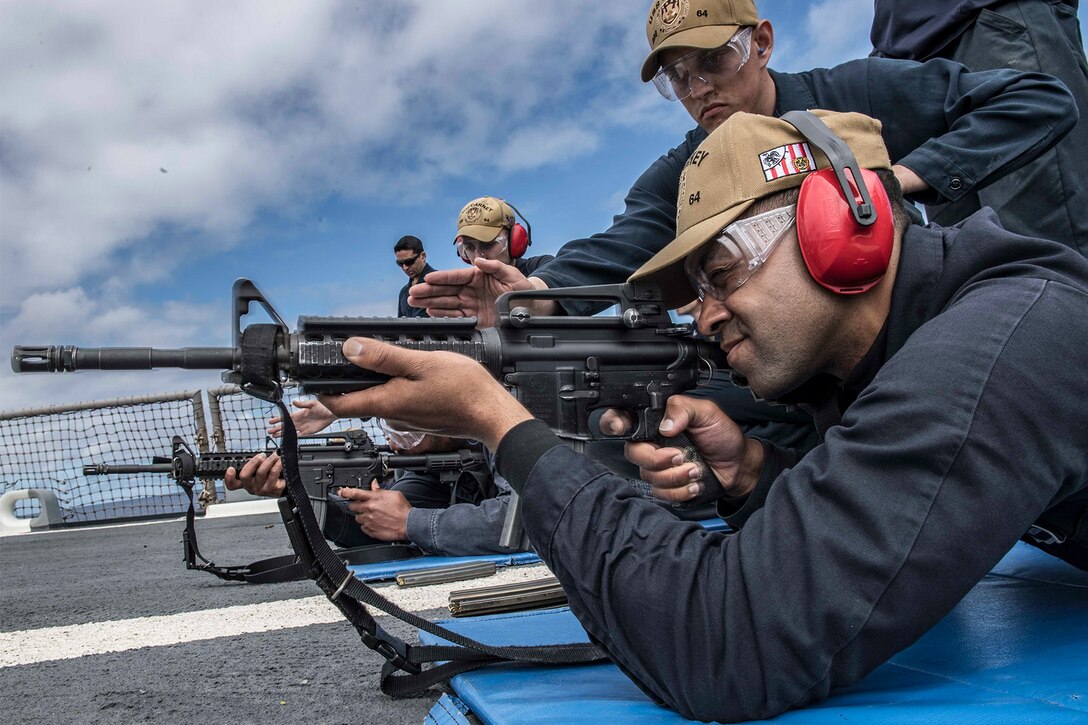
x=740, y=249
x=469, y=249
x=674, y=80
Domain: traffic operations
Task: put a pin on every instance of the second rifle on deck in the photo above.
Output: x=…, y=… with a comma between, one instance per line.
x=327, y=462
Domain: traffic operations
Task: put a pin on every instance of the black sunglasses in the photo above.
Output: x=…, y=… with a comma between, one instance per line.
x=408, y=262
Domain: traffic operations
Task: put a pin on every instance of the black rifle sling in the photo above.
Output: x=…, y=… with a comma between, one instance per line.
x=285, y=568
x=277, y=569
x=351, y=596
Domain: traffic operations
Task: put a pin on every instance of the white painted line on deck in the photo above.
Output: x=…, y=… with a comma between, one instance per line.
x=47, y=644
x=215, y=511
x=94, y=527
x=242, y=508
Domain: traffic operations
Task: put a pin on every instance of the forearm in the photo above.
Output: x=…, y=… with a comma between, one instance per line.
x=957, y=130
x=463, y=529
x=542, y=307
x=996, y=122
x=609, y=257
x=773, y=461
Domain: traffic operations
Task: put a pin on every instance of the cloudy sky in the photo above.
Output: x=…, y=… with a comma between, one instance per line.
x=151, y=152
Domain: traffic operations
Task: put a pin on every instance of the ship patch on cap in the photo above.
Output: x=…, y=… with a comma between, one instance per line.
x=671, y=13
x=782, y=161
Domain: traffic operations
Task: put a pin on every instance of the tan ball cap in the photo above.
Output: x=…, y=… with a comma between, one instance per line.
x=484, y=219
x=746, y=158
x=693, y=24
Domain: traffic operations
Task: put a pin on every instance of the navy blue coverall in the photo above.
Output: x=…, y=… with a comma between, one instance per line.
x=962, y=426
x=1047, y=197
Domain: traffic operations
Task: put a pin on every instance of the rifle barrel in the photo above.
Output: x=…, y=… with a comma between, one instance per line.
x=69, y=358
x=107, y=469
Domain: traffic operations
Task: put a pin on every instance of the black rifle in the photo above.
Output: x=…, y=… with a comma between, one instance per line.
x=327, y=462
x=561, y=368
x=564, y=370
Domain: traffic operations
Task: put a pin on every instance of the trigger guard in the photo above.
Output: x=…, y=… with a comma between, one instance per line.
x=638, y=433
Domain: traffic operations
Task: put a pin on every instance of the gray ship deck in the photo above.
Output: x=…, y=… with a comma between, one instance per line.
x=105, y=624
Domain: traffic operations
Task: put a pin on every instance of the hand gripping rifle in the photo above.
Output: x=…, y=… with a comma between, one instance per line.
x=564, y=370
x=327, y=462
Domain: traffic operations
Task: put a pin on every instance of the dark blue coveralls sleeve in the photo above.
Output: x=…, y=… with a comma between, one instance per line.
x=467, y=528
x=922, y=29
x=971, y=429
x=528, y=265
x=1047, y=197
x=957, y=130
x=463, y=529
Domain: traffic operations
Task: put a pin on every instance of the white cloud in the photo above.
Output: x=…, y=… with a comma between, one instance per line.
x=125, y=118
x=51, y=314
x=136, y=134
x=71, y=316
x=122, y=118
x=538, y=146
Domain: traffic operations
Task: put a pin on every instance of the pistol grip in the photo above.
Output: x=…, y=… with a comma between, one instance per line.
x=711, y=488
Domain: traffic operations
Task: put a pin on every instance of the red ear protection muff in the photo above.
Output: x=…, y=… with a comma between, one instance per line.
x=842, y=255
x=845, y=234
x=519, y=241
x=520, y=236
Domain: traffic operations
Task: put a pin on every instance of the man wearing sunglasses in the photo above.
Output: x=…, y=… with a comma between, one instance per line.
x=413, y=262
x=935, y=362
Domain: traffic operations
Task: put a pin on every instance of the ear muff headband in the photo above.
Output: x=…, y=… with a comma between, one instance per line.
x=520, y=236
x=845, y=233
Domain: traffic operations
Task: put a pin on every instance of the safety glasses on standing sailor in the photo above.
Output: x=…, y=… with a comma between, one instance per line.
x=468, y=249
x=674, y=80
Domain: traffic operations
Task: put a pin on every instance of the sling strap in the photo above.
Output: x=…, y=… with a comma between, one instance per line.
x=353, y=597
x=286, y=568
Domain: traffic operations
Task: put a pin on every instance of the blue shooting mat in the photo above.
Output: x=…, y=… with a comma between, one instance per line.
x=1015, y=650
x=448, y=711
x=385, y=570
x=382, y=570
